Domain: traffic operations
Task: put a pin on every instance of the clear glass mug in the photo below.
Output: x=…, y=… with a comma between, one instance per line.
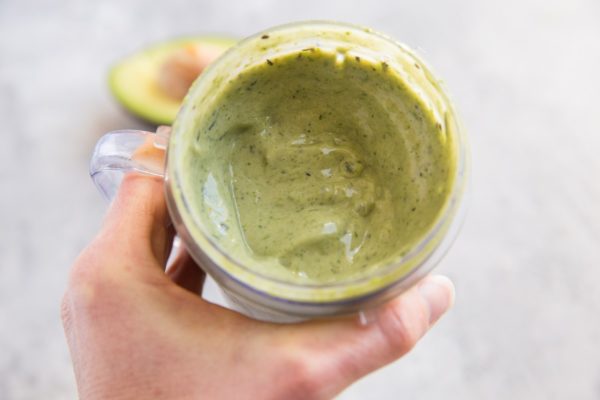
x=247, y=291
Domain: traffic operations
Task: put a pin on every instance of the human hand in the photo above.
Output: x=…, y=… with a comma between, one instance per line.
x=138, y=332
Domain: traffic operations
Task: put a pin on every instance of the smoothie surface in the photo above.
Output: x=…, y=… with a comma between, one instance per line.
x=318, y=166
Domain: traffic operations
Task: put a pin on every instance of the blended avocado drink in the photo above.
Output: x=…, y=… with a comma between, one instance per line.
x=316, y=169
x=327, y=165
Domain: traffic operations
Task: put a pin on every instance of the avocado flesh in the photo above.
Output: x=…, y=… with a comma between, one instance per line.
x=134, y=80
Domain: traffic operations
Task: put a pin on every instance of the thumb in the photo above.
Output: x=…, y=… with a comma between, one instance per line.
x=347, y=350
x=137, y=223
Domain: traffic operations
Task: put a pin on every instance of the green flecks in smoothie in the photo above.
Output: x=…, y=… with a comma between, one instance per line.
x=320, y=165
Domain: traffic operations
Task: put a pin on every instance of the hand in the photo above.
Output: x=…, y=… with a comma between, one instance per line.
x=138, y=332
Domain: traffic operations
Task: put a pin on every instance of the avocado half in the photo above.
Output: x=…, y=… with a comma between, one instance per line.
x=134, y=80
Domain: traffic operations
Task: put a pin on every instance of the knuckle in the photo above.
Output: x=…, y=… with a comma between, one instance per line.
x=83, y=272
x=402, y=327
x=302, y=381
x=88, y=284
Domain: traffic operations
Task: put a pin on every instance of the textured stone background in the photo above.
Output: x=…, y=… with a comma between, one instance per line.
x=525, y=76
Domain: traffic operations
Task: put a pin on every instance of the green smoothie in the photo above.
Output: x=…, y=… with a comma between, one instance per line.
x=318, y=166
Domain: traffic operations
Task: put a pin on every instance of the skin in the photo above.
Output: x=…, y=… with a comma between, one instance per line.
x=337, y=172
x=136, y=331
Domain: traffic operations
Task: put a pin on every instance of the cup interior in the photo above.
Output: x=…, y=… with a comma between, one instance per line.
x=201, y=234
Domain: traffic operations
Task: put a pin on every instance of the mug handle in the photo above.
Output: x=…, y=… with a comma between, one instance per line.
x=119, y=152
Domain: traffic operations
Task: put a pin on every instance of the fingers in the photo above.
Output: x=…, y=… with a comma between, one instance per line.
x=345, y=350
x=399, y=325
x=137, y=224
x=186, y=273
x=439, y=293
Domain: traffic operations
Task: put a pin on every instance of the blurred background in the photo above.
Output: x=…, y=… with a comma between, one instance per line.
x=525, y=77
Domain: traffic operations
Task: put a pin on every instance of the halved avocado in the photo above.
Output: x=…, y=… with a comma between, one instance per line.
x=134, y=81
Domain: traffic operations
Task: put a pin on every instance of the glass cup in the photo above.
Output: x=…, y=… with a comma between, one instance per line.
x=254, y=294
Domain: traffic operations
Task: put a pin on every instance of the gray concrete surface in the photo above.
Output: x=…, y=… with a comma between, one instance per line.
x=524, y=74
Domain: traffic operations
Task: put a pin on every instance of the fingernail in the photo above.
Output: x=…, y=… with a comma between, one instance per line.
x=438, y=293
